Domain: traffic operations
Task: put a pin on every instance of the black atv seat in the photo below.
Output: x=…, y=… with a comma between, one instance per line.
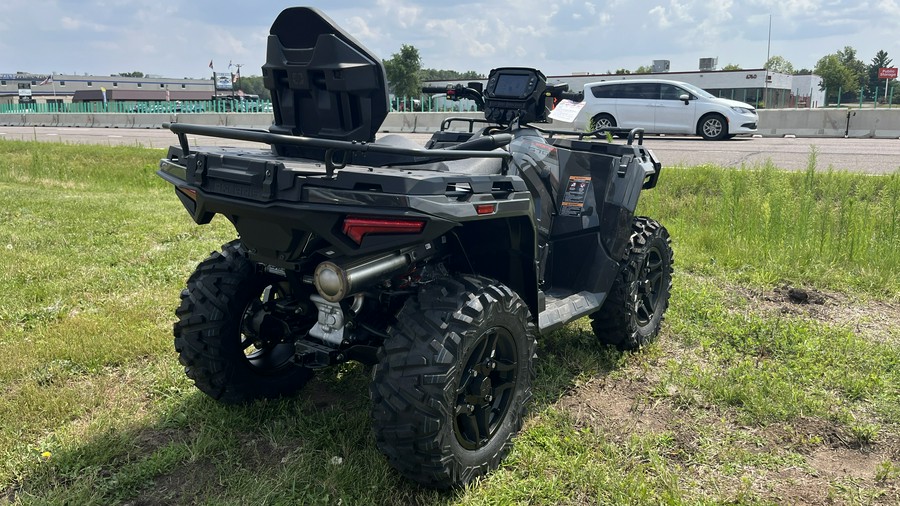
x=470, y=166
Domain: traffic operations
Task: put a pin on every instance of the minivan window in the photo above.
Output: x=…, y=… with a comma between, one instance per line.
x=698, y=91
x=671, y=92
x=605, y=91
x=641, y=91
x=635, y=91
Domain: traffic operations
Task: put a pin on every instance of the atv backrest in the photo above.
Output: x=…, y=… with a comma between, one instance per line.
x=324, y=83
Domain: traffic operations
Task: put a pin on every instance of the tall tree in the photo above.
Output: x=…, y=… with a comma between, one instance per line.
x=254, y=86
x=403, y=72
x=780, y=65
x=835, y=75
x=448, y=75
x=732, y=66
x=644, y=69
x=881, y=60
x=856, y=67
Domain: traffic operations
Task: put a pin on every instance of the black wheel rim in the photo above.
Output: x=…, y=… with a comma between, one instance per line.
x=263, y=333
x=486, y=388
x=650, y=286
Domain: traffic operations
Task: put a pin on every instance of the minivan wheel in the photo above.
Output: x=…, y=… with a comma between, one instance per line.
x=602, y=121
x=713, y=127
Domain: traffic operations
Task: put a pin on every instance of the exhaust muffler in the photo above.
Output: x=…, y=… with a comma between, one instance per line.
x=335, y=282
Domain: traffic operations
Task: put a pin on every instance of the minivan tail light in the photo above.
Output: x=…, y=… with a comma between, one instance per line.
x=356, y=227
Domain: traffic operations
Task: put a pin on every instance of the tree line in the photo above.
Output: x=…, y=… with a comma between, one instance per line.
x=842, y=72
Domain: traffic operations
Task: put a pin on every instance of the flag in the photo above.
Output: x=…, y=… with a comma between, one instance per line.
x=229, y=64
x=210, y=64
x=46, y=81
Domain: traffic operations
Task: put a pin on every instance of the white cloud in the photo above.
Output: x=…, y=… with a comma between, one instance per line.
x=70, y=23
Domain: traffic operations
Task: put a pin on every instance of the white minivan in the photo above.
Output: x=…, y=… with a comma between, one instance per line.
x=664, y=107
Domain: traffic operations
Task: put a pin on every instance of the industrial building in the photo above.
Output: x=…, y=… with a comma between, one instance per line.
x=24, y=88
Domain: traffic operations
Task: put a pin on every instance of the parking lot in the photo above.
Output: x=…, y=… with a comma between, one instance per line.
x=874, y=156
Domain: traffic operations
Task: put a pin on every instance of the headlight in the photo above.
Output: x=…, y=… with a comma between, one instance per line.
x=742, y=110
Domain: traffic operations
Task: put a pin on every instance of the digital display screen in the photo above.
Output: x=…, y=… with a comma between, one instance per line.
x=511, y=85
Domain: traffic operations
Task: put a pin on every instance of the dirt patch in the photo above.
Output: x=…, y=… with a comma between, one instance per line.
x=872, y=319
x=189, y=484
x=806, y=461
x=620, y=406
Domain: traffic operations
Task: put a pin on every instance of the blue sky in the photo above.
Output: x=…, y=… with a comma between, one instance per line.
x=177, y=38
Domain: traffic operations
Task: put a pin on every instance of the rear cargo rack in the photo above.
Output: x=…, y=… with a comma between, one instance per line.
x=336, y=152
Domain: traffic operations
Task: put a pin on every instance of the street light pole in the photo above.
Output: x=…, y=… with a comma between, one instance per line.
x=768, y=56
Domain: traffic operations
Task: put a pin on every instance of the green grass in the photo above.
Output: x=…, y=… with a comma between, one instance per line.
x=834, y=229
x=738, y=403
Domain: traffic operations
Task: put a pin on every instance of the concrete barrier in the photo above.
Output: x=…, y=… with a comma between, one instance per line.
x=261, y=120
x=41, y=119
x=880, y=123
x=856, y=123
x=153, y=120
x=12, y=119
x=803, y=122
x=205, y=119
x=76, y=120
x=114, y=120
x=424, y=122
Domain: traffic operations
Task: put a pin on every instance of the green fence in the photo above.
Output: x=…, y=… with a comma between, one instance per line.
x=172, y=107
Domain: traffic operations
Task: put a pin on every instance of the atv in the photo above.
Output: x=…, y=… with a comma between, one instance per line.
x=437, y=265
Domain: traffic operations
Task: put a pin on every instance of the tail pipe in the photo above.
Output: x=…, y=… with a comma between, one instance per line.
x=335, y=282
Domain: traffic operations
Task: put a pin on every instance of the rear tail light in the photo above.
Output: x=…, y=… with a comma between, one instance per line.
x=356, y=227
x=485, y=208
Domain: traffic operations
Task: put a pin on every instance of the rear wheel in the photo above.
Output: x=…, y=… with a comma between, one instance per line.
x=603, y=121
x=713, y=127
x=231, y=337
x=453, y=381
x=633, y=311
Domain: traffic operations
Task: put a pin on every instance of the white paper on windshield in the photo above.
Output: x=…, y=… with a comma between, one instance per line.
x=566, y=110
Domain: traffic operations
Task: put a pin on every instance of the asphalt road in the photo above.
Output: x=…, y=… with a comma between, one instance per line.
x=874, y=156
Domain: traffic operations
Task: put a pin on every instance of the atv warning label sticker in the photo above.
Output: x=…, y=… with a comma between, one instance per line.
x=573, y=200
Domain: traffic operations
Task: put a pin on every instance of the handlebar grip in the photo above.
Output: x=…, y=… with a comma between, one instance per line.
x=434, y=89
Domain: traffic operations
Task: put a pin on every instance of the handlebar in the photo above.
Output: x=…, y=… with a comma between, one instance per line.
x=574, y=96
x=561, y=92
x=473, y=92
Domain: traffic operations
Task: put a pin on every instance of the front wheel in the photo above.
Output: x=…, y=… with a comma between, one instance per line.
x=713, y=127
x=633, y=311
x=231, y=336
x=453, y=380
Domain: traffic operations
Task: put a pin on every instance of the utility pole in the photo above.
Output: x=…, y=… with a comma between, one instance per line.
x=768, y=53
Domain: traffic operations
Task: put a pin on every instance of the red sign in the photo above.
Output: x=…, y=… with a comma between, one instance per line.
x=887, y=73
